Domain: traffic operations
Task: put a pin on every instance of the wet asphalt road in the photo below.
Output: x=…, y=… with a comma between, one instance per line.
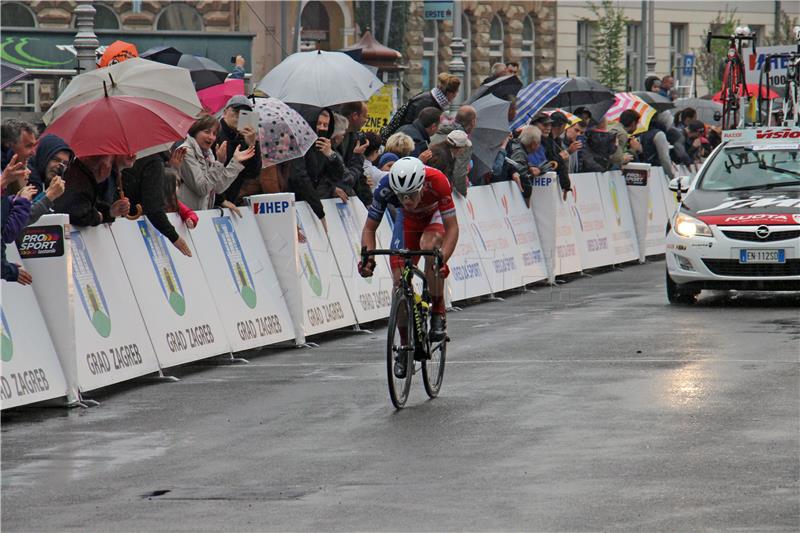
x=593, y=406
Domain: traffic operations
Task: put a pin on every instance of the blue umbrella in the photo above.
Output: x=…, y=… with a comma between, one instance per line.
x=11, y=73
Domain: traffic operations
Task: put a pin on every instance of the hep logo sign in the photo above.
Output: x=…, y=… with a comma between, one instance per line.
x=756, y=62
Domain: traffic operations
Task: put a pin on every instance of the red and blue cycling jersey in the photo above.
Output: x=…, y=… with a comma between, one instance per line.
x=437, y=196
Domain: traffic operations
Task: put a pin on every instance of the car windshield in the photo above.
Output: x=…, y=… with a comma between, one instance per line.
x=745, y=167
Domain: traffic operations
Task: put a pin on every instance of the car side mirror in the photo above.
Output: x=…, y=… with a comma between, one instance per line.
x=680, y=184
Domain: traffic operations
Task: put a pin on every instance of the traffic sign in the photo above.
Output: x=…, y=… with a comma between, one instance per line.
x=688, y=64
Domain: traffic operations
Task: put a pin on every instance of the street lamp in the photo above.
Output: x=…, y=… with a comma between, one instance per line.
x=85, y=41
x=457, y=66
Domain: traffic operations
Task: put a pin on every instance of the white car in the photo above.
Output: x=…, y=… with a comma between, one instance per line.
x=738, y=225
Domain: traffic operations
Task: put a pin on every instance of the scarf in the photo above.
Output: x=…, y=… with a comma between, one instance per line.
x=440, y=98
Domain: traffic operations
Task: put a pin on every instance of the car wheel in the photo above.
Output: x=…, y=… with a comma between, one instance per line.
x=677, y=295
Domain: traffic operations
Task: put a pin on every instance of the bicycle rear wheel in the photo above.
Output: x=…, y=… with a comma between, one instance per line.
x=400, y=343
x=433, y=369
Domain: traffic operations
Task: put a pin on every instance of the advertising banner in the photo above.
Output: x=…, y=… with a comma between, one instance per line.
x=468, y=277
x=493, y=238
x=31, y=371
x=544, y=202
x=276, y=217
x=325, y=303
x=589, y=219
x=647, y=207
x=371, y=297
x=381, y=107
x=522, y=225
x=778, y=65
x=619, y=219
x=172, y=292
x=241, y=278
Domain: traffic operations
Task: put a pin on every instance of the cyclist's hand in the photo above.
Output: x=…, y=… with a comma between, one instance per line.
x=368, y=269
x=443, y=272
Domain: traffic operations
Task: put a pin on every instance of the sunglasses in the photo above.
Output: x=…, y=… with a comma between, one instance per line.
x=408, y=196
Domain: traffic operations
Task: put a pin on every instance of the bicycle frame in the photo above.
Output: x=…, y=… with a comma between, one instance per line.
x=735, y=97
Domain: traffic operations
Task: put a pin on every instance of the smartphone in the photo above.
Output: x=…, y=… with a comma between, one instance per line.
x=233, y=60
x=247, y=118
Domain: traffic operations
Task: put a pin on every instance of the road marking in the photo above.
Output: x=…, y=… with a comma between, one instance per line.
x=524, y=361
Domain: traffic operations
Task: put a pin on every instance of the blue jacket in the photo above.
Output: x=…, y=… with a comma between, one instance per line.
x=14, y=214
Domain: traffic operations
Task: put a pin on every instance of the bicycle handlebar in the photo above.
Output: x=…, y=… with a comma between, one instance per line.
x=402, y=252
x=748, y=37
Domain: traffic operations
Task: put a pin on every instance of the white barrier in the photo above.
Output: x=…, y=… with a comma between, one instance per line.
x=521, y=223
x=544, y=202
x=619, y=218
x=647, y=207
x=468, y=277
x=242, y=281
x=589, y=220
x=31, y=371
x=568, y=259
x=172, y=293
x=371, y=297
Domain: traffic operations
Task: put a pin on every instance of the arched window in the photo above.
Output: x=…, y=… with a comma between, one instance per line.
x=104, y=18
x=179, y=17
x=466, y=38
x=526, y=56
x=315, y=26
x=430, y=51
x=17, y=15
x=496, y=40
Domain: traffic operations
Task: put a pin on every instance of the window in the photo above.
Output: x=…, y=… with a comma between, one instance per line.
x=314, y=27
x=632, y=55
x=677, y=47
x=179, y=17
x=17, y=15
x=104, y=18
x=585, y=66
x=430, y=51
x=466, y=38
x=496, y=40
x=526, y=56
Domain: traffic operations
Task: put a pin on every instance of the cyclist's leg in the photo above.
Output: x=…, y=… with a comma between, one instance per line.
x=432, y=238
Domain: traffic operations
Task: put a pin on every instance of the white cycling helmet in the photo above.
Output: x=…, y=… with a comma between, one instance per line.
x=407, y=175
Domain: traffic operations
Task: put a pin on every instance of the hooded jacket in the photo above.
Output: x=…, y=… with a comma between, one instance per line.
x=315, y=176
x=143, y=184
x=82, y=198
x=600, y=147
x=47, y=147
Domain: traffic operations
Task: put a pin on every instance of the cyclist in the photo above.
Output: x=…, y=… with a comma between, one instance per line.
x=426, y=220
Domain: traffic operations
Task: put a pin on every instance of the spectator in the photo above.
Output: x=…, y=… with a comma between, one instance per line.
x=652, y=84
x=555, y=150
x=241, y=138
x=575, y=139
x=14, y=214
x=694, y=140
x=517, y=167
x=499, y=165
x=352, y=149
x=627, y=147
x=667, y=83
x=422, y=128
x=465, y=120
x=442, y=158
x=82, y=198
x=316, y=175
x=512, y=68
x=386, y=161
x=17, y=137
x=584, y=114
x=399, y=144
x=171, y=203
x=655, y=147
x=543, y=122
x=238, y=69
x=144, y=184
x=498, y=71
x=48, y=166
x=439, y=97
x=684, y=117
x=600, y=147
x=372, y=172
x=203, y=176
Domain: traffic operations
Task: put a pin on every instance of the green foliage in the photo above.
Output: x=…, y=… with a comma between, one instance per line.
x=397, y=26
x=608, y=46
x=783, y=34
x=710, y=65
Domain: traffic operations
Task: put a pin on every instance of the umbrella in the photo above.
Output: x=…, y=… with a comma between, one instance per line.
x=205, y=72
x=283, y=133
x=568, y=93
x=11, y=73
x=163, y=54
x=321, y=79
x=752, y=90
x=626, y=101
x=708, y=111
x=134, y=77
x=655, y=100
x=570, y=117
x=502, y=87
x=215, y=97
x=120, y=125
x=491, y=128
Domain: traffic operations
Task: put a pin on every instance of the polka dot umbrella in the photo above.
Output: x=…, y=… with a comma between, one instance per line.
x=283, y=134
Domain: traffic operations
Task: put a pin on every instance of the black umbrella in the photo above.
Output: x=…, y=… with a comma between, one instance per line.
x=502, y=88
x=655, y=100
x=11, y=73
x=205, y=72
x=581, y=91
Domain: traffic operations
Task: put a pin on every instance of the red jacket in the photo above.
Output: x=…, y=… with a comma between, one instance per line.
x=186, y=213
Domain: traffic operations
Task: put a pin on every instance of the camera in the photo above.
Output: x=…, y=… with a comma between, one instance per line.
x=61, y=169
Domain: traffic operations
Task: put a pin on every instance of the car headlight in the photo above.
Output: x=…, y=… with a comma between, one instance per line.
x=687, y=226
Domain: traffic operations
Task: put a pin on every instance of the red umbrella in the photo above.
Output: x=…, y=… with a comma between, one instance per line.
x=215, y=97
x=120, y=125
x=752, y=89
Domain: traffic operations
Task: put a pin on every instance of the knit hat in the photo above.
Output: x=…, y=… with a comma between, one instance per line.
x=388, y=157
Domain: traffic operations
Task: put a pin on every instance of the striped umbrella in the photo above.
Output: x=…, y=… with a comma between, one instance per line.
x=625, y=101
x=572, y=118
x=534, y=97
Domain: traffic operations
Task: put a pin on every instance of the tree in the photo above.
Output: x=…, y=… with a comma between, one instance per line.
x=608, y=45
x=710, y=65
x=784, y=33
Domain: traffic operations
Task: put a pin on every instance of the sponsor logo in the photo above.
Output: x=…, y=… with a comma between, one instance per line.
x=164, y=268
x=762, y=232
x=268, y=208
x=755, y=219
x=309, y=263
x=41, y=241
x=7, y=341
x=237, y=262
x=635, y=177
x=778, y=134
x=88, y=286
x=754, y=202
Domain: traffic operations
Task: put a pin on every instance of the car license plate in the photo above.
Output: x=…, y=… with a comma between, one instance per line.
x=762, y=256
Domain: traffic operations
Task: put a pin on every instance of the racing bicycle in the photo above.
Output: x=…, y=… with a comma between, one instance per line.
x=407, y=336
x=735, y=95
x=790, y=105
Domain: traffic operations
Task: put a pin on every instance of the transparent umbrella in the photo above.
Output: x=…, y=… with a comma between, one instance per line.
x=282, y=133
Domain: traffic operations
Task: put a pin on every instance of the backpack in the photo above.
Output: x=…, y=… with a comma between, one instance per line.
x=395, y=122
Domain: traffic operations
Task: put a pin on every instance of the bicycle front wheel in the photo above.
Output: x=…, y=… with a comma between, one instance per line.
x=433, y=369
x=400, y=344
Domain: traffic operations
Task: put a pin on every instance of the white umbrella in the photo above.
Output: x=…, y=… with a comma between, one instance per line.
x=133, y=77
x=320, y=79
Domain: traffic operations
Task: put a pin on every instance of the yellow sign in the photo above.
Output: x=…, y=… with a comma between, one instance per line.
x=381, y=107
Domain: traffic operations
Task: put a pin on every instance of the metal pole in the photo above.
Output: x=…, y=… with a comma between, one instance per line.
x=388, y=23
x=642, y=47
x=457, y=67
x=85, y=41
x=284, y=29
x=372, y=18
x=651, y=39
